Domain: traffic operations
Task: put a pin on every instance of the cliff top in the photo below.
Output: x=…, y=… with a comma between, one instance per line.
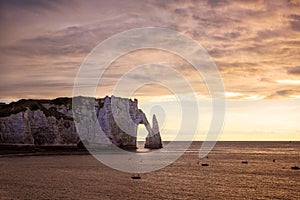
x=38, y=104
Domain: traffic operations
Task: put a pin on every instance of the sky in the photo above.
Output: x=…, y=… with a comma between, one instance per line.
x=254, y=44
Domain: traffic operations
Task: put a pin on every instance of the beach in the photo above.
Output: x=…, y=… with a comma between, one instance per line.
x=266, y=175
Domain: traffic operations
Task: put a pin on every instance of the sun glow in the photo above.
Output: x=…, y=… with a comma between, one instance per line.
x=288, y=81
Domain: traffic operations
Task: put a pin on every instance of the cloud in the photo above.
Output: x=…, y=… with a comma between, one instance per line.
x=69, y=41
x=31, y=4
x=293, y=70
x=253, y=43
x=289, y=81
x=217, y=3
x=295, y=22
x=284, y=94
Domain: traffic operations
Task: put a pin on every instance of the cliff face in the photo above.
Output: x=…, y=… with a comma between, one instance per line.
x=50, y=122
x=38, y=122
x=115, y=121
x=153, y=140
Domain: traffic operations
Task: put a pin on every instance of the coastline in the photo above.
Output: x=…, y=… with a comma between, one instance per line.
x=12, y=150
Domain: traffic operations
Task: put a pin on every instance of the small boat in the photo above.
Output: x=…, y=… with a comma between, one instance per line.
x=244, y=162
x=136, y=176
x=295, y=168
x=204, y=164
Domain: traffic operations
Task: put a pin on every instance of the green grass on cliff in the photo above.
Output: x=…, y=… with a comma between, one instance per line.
x=24, y=104
x=37, y=104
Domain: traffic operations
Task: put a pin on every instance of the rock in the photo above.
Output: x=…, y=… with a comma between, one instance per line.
x=110, y=120
x=153, y=140
x=119, y=119
x=81, y=145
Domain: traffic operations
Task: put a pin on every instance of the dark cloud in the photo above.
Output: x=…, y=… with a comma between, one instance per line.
x=216, y=52
x=295, y=25
x=27, y=4
x=232, y=35
x=38, y=88
x=294, y=70
x=293, y=3
x=34, y=4
x=70, y=41
x=283, y=94
x=38, y=84
x=268, y=34
x=79, y=39
x=216, y=3
x=236, y=65
x=295, y=17
x=180, y=11
x=44, y=49
x=295, y=22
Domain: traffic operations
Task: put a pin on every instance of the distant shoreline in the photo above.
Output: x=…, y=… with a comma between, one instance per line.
x=11, y=150
x=8, y=150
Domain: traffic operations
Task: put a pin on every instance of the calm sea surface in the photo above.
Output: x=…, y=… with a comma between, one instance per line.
x=267, y=175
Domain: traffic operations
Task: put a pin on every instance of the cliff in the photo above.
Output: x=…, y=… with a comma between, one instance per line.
x=153, y=139
x=51, y=122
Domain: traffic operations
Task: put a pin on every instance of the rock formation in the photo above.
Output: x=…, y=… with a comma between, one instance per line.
x=153, y=140
x=38, y=122
x=51, y=122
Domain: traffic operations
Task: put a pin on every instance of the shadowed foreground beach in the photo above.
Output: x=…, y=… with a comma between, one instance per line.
x=266, y=175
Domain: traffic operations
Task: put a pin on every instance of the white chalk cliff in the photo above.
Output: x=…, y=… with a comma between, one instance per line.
x=153, y=140
x=47, y=122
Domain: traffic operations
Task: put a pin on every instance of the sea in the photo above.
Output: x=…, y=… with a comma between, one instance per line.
x=232, y=170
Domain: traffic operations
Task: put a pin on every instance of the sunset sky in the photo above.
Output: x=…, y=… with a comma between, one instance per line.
x=254, y=44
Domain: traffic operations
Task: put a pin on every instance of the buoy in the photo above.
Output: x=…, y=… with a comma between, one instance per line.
x=204, y=164
x=244, y=162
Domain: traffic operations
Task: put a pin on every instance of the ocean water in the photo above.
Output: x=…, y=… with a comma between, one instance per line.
x=267, y=175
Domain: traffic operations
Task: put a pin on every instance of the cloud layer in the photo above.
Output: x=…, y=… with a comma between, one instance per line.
x=253, y=43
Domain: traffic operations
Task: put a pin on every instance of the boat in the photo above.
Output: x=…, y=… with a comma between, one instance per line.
x=136, y=176
x=295, y=168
